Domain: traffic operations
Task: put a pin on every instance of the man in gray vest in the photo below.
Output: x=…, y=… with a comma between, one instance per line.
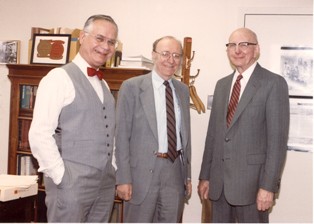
x=72, y=130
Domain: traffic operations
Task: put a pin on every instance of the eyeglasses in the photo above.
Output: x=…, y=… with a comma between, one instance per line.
x=167, y=55
x=242, y=45
x=101, y=39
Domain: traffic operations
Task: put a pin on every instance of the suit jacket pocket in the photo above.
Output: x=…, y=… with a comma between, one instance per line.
x=253, y=159
x=66, y=177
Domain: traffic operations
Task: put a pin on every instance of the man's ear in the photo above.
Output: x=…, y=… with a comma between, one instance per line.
x=154, y=56
x=257, y=52
x=82, y=36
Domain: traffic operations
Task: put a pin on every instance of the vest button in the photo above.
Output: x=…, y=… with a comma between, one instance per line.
x=104, y=108
x=106, y=125
x=105, y=117
x=108, y=145
x=108, y=153
x=107, y=135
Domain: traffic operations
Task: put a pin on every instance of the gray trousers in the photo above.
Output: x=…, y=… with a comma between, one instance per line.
x=85, y=194
x=223, y=212
x=164, y=201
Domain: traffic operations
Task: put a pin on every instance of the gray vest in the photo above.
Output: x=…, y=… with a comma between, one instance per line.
x=86, y=127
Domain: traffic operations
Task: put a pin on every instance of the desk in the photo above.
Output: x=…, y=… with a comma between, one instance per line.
x=19, y=210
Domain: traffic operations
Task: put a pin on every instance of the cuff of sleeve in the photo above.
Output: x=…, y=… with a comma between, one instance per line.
x=56, y=173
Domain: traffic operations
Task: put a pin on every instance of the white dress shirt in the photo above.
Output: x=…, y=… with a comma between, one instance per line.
x=161, y=114
x=55, y=91
x=246, y=77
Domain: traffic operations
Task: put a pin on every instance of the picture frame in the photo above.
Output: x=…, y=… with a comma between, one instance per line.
x=301, y=125
x=10, y=52
x=297, y=69
x=50, y=49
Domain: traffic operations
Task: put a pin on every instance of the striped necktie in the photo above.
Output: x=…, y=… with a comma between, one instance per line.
x=171, y=124
x=234, y=99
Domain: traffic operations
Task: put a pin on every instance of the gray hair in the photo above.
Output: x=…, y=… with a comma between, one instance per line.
x=93, y=18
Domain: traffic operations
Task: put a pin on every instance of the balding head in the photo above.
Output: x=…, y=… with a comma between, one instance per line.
x=252, y=37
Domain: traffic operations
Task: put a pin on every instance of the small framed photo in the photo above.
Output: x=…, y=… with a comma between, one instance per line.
x=297, y=69
x=50, y=49
x=10, y=51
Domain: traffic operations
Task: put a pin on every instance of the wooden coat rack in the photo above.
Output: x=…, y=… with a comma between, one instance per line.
x=196, y=104
x=189, y=80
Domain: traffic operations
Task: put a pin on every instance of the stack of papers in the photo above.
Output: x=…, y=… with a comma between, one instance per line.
x=136, y=62
x=17, y=181
x=15, y=186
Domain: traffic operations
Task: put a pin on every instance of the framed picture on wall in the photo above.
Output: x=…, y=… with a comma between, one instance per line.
x=297, y=69
x=10, y=51
x=301, y=125
x=50, y=49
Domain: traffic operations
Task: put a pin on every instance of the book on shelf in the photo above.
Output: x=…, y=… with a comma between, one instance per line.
x=28, y=96
x=40, y=30
x=27, y=165
x=23, y=129
x=114, y=61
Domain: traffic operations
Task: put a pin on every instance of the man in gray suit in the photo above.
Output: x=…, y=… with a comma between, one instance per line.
x=72, y=130
x=153, y=186
x=244, y=156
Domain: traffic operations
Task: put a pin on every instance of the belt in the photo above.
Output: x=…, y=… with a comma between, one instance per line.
x=162, y=155
x=165, y=155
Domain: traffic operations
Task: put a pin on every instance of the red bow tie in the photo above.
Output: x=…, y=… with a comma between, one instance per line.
x=93, y=72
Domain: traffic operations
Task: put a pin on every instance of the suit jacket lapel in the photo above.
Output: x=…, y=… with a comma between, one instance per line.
x=225, y=95
x=148, y=103
x=183, y=130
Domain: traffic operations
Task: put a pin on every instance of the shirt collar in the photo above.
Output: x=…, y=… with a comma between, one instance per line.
x=81, y=63
x=158, y=81
x=248, y=72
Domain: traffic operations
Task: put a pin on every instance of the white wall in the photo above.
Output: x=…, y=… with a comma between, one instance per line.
x=209, y=23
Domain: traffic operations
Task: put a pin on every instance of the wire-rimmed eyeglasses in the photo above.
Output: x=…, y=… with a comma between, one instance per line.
x=102, y=39
x=167, y=55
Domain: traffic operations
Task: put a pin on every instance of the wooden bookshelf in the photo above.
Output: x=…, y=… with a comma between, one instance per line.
x=24, y=82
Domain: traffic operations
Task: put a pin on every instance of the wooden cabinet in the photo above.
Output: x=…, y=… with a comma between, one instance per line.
x=19, y=210
x=24, y=83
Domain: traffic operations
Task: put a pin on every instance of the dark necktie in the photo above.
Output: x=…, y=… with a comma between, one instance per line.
x=171, y=124
x=93, y=72
x=234, y=99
